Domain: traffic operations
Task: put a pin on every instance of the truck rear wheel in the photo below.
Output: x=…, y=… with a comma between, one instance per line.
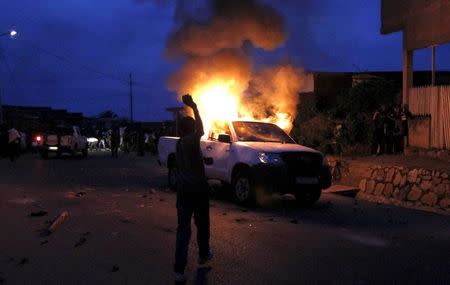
x=85, y=152
x=243, y=188
x=172, y=176
x=307, y=197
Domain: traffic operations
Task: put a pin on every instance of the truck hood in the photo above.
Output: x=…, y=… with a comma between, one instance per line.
x=277, y=147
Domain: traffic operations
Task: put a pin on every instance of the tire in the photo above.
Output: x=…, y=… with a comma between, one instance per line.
x=243, y=189
x=74, y=151
x=85, y=152
x=44, y=154
x=308, y=197
x=172, y=176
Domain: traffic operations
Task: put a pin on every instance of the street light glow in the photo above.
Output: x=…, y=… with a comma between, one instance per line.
x=13, y=33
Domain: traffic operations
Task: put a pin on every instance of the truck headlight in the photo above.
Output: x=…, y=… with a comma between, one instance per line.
x=270, y=158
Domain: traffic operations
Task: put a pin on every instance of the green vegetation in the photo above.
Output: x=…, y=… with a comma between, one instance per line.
x=347, y=127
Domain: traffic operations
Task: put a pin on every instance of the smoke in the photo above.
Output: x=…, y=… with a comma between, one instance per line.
x=232, y=23
x=274, y=90
x=216, y=49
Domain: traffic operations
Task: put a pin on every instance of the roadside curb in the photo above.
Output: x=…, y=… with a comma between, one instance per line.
x=343, y=190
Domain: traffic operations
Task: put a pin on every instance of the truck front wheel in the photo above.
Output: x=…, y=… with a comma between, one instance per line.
x=243, y=188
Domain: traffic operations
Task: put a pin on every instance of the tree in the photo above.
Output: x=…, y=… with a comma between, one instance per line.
x=107, y=115
x=356, y=106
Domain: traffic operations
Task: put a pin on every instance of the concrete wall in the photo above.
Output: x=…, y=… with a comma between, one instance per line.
x=424, y=22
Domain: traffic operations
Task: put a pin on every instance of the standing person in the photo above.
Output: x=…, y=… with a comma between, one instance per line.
x=122, y=133
x=140, y=140
x=4, y=151
x=13, y=143
x=378, y=132
x=126, y=140
x=405, y=116
x=389, y=126
x=398, y=136
x=192, y=192
x=115, y=142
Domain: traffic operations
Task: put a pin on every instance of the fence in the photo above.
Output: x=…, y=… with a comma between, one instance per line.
x=434, y=101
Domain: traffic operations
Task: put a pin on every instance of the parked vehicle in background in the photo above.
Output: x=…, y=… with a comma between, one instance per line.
x=63, y=139
x=253, y=157
x=36, y=142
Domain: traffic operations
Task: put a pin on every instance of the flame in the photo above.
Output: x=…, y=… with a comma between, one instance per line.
x=219, y=100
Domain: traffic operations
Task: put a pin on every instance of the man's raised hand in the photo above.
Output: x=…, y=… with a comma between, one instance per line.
x=187, y=99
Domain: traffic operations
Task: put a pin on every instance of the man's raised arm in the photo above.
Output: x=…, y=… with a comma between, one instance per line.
x=187, y=99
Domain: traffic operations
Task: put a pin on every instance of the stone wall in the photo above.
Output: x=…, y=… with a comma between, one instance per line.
x=413, y=188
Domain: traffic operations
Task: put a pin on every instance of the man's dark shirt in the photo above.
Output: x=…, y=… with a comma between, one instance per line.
x=189, y=158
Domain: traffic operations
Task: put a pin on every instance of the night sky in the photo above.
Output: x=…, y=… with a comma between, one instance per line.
x=78, y=54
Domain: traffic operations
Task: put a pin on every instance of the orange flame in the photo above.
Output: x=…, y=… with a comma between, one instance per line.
x=218, y=100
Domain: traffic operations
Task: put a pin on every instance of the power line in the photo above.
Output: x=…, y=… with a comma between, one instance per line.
x=67, y=60
x=87, y=68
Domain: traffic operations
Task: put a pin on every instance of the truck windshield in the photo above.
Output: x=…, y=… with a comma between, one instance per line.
x=260, y=132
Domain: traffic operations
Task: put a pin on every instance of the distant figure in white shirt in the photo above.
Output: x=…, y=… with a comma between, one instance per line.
x=13, y=143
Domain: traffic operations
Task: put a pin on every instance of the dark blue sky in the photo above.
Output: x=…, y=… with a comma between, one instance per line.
x=122, y=36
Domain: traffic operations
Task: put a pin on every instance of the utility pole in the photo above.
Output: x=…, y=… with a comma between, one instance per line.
x=433, y=65
x=131, y=98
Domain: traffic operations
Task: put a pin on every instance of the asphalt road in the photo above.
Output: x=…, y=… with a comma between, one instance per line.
x=122, y=222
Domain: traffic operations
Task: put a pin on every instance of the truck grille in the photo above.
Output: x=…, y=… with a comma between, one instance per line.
x=304, y=164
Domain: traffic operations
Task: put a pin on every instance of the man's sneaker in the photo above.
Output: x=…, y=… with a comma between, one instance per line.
x=203, y=259
x=180, y=278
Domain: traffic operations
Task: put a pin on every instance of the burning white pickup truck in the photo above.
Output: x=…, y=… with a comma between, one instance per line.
x=256, y=156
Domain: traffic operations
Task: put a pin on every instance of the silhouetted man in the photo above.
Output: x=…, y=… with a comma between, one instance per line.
x=378, y=120
x=13, y=143
x=115, y=142
x=192, y=191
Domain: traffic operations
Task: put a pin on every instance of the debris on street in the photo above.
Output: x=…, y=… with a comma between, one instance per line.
x=38, y=214
x=80, y=242
x=58, y=221
x=23, y=261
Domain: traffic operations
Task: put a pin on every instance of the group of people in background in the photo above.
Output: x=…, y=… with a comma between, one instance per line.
x=390, y=130
x=126, y=139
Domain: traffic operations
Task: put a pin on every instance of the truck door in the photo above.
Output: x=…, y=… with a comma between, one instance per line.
x=216, y=152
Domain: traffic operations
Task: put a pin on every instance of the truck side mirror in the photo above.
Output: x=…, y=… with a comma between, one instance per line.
x=224, y=138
